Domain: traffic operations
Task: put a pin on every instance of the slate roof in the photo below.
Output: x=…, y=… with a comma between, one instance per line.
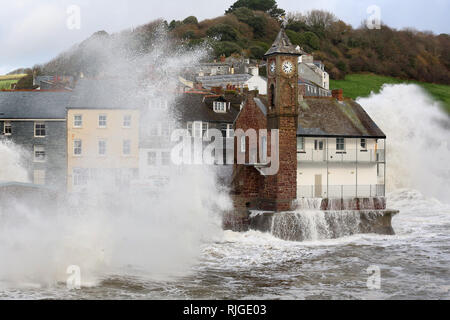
x=33, y=104
x=217, y=80
x=327, y=117
x=105, y=94
x=282, y=44
x=199, y=107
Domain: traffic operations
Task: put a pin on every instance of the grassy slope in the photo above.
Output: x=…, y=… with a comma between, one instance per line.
x=361, y=85
x=6, y=81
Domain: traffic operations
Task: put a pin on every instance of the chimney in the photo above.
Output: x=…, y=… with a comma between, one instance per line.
x=217, y=90
x=338, y=94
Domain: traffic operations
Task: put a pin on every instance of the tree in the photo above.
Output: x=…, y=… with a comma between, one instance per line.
x=223, y=31
x=268, y=6
x=190, y=20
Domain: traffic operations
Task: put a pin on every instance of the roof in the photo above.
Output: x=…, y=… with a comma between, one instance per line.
x=33, y=104
x=283, y=45
x=199, y=107
x=105, y=94
x=327, y=117
x=210, y=81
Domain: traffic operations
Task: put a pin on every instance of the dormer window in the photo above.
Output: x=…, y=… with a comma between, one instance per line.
x=220, y=106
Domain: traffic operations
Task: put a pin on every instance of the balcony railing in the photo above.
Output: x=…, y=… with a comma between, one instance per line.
x=341, y=191
x=333, y=155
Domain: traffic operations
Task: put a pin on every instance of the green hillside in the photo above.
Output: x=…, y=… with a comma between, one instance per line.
x=361, y=85
x=7, y=80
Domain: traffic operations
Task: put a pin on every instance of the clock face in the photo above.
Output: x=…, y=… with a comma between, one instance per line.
x=288, y=68
x=272, y=67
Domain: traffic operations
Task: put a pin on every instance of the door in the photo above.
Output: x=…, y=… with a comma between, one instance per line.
x=318, y=186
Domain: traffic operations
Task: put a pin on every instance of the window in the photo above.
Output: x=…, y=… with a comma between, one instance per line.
x=39, y=154
x=219, y=106
x=151, y=158
x=102, y=121
x=189, y=128
x=127, y=121
x=165, y=129
x=165, y=158
x=204, y=129
x=78, y=121
x=39, y=129
x=102, y=147
x=7, y=128
x=77, y=147
x=80, y=176
x=300, y=144
x=340, y=144
x=364, y=144
x=126, y=147
x=227, y=130
x=318, y=144
x=243, y=144
x=197, y=133
x=39, y=177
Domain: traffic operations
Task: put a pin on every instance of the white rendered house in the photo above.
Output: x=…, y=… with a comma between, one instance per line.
x=340, y=151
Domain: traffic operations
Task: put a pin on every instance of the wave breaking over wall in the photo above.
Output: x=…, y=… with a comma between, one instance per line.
x=418, y=139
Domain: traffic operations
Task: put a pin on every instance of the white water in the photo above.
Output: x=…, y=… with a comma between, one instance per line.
x=414, y=263
x=418, y=139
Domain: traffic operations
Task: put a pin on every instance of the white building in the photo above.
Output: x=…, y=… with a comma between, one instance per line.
x=251, y=80
x=340, y=151
x=313, y=71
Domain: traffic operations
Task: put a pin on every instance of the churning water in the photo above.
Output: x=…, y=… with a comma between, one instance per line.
x=179, y=252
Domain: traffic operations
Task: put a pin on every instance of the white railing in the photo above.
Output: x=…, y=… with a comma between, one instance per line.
x=341, y=191
x=333, y=155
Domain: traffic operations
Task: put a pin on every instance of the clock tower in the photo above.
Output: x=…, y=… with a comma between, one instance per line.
x=282, y=114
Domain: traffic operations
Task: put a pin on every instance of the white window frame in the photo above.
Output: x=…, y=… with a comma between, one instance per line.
x=100, y=148
x=100, y=121
x=41, y=150
x=80, y=125
x=361, y=142
x=126, y=121
x=302, y=139
x=5, y=125
x=75, y=147
x=126, y=146
x=197, y=128
x=36, y=129
x=338, y=144
x=79, y=177
x=220, y=106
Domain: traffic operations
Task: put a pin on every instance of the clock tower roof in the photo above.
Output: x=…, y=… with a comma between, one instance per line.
x=282, y=45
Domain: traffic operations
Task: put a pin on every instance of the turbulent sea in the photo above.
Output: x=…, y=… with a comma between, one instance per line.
x=413, y=264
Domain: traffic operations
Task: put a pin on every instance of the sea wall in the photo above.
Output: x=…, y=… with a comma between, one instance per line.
x=318, y=225
x=315, y=219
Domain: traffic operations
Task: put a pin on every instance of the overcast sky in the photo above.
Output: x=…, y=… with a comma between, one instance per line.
x=34, y=31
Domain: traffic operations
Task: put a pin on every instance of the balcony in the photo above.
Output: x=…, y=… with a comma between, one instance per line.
x=341, y=191
x=333, y=155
